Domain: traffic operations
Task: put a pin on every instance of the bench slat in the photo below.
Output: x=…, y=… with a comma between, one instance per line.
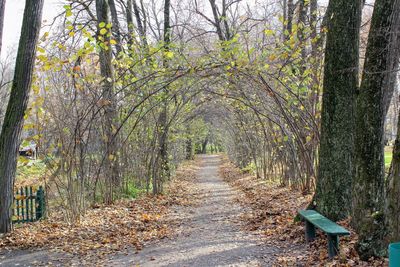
x=323, y=223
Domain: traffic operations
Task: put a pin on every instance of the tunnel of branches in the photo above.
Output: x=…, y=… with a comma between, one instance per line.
x=124, y=92
x=262, y=119
x=116, y=98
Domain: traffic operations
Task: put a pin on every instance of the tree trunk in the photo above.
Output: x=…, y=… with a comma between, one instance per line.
x=369, y=179
x=116, y=28
x=303, y=7
x=393, y=192
x=162, y=166
x=189, y=144
x=393, y=185
x=139, y=22
x=393, y=56
x=2, y=8
x=17, y=104
x=333, y=190
x=228, y=35
x=129, y=21
x=290, y=14
x=204, y=146
x=217, y=20
x=284, y=13
x=111, y=175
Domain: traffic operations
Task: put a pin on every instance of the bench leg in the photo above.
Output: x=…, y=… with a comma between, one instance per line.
x=333, y=245
x=310, y=232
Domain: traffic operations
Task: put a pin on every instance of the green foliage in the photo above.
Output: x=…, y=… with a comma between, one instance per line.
x=148, y=77
x=131, y=190
x=29, y=169
x=250, y=168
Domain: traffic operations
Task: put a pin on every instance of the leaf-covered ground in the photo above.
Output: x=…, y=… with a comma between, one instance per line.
x=107, y=233
x=273, y=211
x=124, y=226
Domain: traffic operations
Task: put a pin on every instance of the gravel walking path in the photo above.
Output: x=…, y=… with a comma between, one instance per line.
x=210, y=234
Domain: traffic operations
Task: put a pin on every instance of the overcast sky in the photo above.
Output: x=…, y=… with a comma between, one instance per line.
x=13, y=20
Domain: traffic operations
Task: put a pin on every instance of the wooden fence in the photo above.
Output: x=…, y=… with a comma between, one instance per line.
x=29, y=205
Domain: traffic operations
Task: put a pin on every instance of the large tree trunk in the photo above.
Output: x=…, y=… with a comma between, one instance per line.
x=2, y=8
x=333, y=191
x=14, y=118
x=369, y=179
x=393, y=192
x=111, y=172
x=393, y=182
x=393, y=56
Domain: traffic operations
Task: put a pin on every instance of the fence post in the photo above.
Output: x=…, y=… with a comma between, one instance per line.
x=41, y=205
x=16, y=207
x=22, y=204
x=27, y=204
x=31, y=204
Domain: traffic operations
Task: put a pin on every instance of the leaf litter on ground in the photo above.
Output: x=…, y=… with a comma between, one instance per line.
x=273, y=209
x=108, y=229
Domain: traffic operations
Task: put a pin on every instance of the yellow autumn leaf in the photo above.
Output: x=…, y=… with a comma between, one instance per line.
x=169, y=54
x=269, y=32
x=272, y=57
x=146, y=217
x=103, y=31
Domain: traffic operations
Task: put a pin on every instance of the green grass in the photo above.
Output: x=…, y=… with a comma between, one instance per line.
x=388, y=156
x=30, y=169
x=131, y=191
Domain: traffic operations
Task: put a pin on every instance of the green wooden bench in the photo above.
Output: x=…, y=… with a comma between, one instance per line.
x=315, y=220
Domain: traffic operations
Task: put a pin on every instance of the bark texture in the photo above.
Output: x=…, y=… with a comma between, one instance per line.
x=393, y=182
x=116, y=27
x=393, y=57
x=369, y=179
x=290, y=14
x=2, y=8
x=14, y=117
x=111, y=173
x=141, y=28
x=335, y=172
x=393, y=193
x=163, y=171
x=217, y=20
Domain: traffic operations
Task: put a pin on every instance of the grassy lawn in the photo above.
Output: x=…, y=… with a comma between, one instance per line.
x=388, y=156
x=30, y=172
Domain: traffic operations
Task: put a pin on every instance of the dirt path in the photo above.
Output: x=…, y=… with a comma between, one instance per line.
x=210, y=234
